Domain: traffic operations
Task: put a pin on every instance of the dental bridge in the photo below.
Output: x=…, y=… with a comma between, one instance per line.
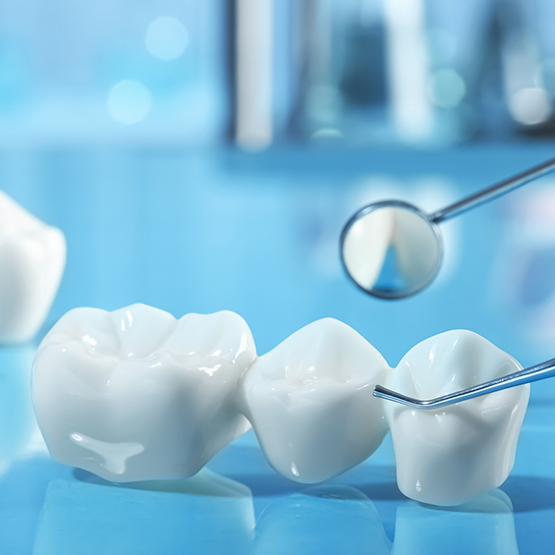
x=136, y=394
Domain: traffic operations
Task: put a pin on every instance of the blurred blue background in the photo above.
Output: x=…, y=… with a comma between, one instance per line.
x=259, y=72
x=202, y=156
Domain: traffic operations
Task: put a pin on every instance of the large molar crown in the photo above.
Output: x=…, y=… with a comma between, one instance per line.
x=138, y=394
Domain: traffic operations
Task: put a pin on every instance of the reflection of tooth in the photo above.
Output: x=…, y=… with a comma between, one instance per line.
x=204, y=514
x=366, y=246
x=136, y=394
x=482, y=527
x=449, y=456
x=310, y=401
x=331, y=519
x=417, y=249
x=32, y=260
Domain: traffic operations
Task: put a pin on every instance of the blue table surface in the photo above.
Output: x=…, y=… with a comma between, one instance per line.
x=201, y=231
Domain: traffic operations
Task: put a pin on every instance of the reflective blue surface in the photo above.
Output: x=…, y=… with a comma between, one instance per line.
x=203, y=232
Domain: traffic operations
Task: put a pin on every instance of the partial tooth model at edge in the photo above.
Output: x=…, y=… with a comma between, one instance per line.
x=136, y=395
x=32, y=261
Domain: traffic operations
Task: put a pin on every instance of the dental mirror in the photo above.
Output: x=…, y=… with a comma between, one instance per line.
x=393, y=250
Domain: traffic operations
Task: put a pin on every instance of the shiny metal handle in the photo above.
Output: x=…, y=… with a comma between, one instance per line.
x=493, y=192
x=534, y=373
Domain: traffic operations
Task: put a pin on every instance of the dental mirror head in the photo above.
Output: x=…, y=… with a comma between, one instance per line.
x=391, y=249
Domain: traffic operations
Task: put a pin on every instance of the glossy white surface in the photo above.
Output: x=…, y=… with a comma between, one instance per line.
x=32, y=260
x=136, y=394
x=310, y=401
x=452, y=455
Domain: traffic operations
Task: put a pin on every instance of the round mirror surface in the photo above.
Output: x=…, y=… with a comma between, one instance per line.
x=391, y=250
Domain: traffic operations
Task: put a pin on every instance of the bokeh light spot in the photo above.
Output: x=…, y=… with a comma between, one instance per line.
x=166, y=38
x=530, y=105
x=129, y=102
x=447, y=88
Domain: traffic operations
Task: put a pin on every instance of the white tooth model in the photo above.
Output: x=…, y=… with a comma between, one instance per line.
x=136, y=394
x=451, y=455
x=32, y=260
x=310, y=401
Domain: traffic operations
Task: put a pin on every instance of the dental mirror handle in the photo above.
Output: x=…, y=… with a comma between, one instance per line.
x=493, y=192
x=534, y=373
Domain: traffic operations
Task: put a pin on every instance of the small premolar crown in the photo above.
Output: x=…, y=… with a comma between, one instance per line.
x=320, y=420
x=450, y=456
x=140, y=395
